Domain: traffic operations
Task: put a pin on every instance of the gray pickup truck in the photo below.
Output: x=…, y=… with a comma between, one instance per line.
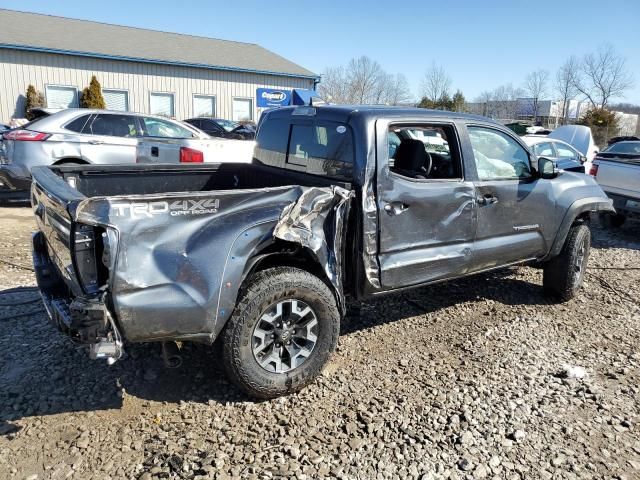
x=339, y=203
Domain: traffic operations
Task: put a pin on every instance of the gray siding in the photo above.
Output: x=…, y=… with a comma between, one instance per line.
x=18, y=69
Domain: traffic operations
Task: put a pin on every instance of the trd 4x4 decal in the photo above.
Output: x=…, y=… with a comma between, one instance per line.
x=174, y=208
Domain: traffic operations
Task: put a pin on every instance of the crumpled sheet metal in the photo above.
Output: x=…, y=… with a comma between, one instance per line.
x=177, y=277
x=316, y=221
x=370, y=222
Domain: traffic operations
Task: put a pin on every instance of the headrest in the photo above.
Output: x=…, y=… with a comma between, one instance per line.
x=410, y=155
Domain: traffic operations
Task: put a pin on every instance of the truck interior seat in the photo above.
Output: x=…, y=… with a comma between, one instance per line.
x=412, y=160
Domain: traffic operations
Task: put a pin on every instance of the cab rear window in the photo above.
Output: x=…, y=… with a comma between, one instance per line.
x=320, y=148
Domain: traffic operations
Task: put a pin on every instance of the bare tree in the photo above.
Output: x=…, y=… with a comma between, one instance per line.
x=535, y=87
x=565, y=86
x=334, y=87
x=364, y=81
x=502, y=102
x=505, y=101
x=604, y=75
x=366, y=78
x=435, y=83
x=483, y=104
x=398, y=91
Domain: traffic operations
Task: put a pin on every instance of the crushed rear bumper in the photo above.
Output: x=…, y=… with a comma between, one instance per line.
x=84, y=319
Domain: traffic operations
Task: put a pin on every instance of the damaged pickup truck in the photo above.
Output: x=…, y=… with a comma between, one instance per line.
x=339, y=202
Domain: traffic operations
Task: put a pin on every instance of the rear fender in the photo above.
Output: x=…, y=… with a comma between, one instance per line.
x=315, y=222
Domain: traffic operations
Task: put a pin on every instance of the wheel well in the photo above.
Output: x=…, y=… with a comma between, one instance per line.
x=284, y=254
x=71, y=160
x=287, y=254
x=584, y=217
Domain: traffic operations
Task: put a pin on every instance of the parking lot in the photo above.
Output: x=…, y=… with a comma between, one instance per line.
x=470, y=379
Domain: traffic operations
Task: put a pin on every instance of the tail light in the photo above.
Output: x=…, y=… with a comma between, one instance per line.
x=191, y=155
x=593, y=171
x=26, y=136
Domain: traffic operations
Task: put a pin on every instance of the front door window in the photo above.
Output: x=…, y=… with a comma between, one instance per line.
x=498, y=156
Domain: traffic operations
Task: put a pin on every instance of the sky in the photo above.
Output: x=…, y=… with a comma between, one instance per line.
x=481, y=44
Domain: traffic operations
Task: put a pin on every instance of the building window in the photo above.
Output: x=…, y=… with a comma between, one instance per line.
x=242, y=109
x=204, y=106
x=117, y=100
x=161, y=104
x=61, y=97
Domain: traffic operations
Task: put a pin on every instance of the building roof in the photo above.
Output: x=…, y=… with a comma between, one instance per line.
x=46, y=33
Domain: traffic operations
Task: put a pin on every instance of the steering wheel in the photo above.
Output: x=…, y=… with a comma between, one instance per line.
x=428, y=163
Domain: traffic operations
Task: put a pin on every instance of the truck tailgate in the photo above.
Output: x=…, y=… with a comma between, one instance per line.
x=619, y=177
x=51, y=210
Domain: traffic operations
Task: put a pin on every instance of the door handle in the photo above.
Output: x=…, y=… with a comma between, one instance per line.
x=395, y=208
x=487, y=199
x=96, y=142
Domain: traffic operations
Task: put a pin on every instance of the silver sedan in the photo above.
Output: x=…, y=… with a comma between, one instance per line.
x=78, y=136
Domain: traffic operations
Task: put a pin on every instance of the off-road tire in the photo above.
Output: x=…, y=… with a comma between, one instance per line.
x=264, y=289
x=560, y=279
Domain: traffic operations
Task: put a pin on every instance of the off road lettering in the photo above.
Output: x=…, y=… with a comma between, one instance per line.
x=174, y=208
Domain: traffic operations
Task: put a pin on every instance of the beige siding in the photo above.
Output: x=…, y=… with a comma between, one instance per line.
x=18, y=69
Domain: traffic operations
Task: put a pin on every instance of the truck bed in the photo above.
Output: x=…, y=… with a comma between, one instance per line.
x=111, y=180
x=161, y=250
x=619, y=176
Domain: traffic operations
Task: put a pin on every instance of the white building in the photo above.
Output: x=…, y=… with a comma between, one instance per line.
x=140, y=70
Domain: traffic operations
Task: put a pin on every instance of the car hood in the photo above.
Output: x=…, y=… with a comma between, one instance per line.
x=578, y=136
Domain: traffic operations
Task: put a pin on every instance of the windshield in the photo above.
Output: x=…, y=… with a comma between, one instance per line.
x=624, y=147
x=228, y=125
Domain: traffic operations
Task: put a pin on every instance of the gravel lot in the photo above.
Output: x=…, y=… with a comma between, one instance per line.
x=471, y=379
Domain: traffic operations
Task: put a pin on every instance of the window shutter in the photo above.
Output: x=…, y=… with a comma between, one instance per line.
x=61, y=97
x=116, y=100
x=204, y=106
x=162, y=104
x=242, y=109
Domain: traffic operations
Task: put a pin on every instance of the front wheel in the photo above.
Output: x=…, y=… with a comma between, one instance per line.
x=282, y=332
x=563, y=275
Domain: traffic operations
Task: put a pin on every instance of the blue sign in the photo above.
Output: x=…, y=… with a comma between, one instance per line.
x=272, y=97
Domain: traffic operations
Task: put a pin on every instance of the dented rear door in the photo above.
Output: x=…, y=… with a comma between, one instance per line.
x=426, y=227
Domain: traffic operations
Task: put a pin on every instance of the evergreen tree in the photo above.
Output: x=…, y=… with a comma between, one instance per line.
x=92, y=95
x=603, y=124
x=34, y=99
x=459, y=101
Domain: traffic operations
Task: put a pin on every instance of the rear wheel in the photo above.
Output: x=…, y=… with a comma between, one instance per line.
x=563, y=275
x=282, y=332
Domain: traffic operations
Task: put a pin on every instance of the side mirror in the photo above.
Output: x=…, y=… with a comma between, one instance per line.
x=547, y=168
x=583, y=158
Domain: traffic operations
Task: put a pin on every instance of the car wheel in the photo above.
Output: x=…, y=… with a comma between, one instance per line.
x=282, y=332
x=563, y=275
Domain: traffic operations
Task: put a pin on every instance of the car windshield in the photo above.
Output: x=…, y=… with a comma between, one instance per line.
x=157, y=127
x=228, y=125
x=624, y=147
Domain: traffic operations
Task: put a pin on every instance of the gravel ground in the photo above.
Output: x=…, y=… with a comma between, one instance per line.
x=480, y=378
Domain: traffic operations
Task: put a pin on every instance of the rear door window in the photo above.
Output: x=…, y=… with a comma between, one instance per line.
x=78, y=124
x=544, y=149
x=114, y=125
x=565, y=151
